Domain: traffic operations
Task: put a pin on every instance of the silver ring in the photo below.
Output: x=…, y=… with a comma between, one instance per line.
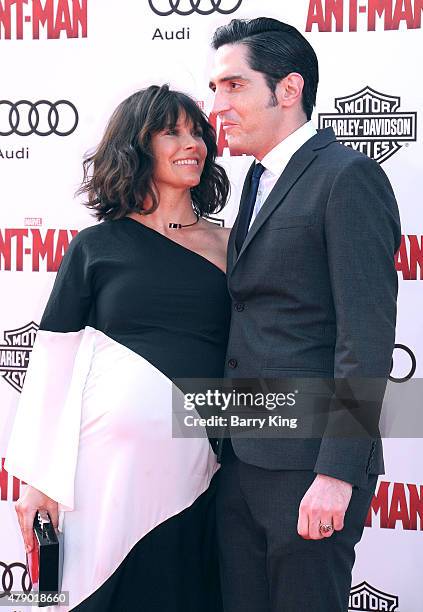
x=325, y=528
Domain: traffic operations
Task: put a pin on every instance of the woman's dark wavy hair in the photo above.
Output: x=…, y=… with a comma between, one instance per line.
x=118, y=175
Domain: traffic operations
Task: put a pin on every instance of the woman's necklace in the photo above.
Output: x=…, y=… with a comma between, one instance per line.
x=179, y=225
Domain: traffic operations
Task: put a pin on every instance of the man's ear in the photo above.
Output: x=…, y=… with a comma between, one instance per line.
x=289, y=90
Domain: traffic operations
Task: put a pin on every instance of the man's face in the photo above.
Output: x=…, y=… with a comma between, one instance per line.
x=244, y=103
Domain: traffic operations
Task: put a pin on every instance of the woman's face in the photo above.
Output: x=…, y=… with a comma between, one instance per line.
x=179, y=155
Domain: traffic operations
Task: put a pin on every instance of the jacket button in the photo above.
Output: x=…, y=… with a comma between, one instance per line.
x=239, y=307
x=232, y=363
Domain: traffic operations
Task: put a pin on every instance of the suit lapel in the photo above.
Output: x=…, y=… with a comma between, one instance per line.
x=296, y=166
x=287, y=179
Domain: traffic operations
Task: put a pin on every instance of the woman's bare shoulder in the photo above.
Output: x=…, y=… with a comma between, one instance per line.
x=219, y=232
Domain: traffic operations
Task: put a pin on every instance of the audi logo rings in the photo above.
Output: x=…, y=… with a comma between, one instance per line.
x=41, y=118
x=194, y=6
x=7, y=579
x=410, y=368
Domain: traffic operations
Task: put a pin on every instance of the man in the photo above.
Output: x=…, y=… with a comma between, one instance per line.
x=311, y=273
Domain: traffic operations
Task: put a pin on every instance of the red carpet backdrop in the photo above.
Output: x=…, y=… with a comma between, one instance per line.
x=66, y=64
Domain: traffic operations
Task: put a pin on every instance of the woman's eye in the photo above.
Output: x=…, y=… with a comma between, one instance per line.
x=170, y=132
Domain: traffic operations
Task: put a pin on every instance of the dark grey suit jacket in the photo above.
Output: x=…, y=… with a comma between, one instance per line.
x=314, y=292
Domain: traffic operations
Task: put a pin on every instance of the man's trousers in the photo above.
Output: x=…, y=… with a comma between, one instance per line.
x=265, y=565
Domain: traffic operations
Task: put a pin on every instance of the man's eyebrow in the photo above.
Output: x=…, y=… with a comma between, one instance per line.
x=231, y=77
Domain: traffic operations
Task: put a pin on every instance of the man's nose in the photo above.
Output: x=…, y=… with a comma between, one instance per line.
x=220, y=103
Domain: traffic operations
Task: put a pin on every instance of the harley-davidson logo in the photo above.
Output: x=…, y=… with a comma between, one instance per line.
x=15, y=354
x=369, y=121
x=365, y=598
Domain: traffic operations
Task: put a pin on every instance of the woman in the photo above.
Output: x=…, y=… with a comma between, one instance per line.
x=139, y=299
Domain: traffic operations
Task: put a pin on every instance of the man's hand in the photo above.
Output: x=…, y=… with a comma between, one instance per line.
x=325, y=502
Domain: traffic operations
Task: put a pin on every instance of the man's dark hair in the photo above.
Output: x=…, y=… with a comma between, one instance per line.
x=275, y=49
x=118, y=175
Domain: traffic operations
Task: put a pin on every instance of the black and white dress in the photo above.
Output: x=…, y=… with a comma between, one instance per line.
x=130, y=310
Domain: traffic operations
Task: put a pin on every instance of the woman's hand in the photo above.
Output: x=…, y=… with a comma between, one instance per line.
x=26, y=507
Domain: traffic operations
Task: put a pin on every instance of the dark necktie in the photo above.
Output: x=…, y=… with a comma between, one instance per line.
x=246, y=211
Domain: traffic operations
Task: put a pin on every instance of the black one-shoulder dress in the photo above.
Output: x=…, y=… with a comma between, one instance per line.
x=129, y=311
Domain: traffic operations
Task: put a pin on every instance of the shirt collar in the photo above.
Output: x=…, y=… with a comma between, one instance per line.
x=276, y=160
